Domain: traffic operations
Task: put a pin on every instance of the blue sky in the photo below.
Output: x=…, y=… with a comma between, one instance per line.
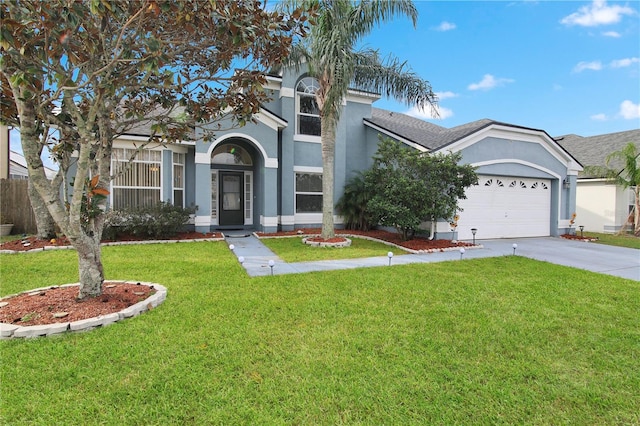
x=560, y=66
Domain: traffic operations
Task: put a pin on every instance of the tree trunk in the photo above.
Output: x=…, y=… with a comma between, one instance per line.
x=636, y=217
x=89, y=267
x=85, y=239
x=328, y=138
x=46, y=227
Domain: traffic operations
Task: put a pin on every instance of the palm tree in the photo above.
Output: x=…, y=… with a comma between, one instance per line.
x=623, y=168
x=628, y=177
x=331, y=55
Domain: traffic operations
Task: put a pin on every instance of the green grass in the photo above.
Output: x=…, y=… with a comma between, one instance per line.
x=504, y=340
x=629, y=240
x=291, y=249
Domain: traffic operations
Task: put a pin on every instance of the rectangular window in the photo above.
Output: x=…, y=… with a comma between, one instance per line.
x=308, y=115
x=247, y=197
x=178, y=179
x=309, y=125
x=137, y=182
x=214, y=194
x=308, y=192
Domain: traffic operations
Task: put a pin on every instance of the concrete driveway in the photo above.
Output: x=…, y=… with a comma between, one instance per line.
x=616, y=261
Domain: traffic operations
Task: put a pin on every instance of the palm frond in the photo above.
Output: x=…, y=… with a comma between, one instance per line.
x=392, y=78
x=628, y=156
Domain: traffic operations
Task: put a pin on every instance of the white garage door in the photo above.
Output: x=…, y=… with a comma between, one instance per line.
x=506, y=207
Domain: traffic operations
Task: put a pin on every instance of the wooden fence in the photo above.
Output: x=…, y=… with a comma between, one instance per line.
x=15, y=206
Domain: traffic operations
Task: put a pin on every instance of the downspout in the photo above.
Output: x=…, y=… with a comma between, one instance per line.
x=432, y=234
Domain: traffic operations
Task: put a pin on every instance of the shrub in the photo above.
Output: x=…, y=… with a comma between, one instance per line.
x=408, y=187
x=161, y=220
x=353, y=205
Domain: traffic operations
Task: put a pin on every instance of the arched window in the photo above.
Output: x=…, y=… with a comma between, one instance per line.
x=307, y=113
x=231, y=154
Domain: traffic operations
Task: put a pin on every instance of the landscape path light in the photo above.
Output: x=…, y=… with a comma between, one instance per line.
x=241, y=259
x=473, y=231
x=515, y=246
x=581, y=229
x=461, y=252
x=390, y=255
x=232, y=247
x=272, y=263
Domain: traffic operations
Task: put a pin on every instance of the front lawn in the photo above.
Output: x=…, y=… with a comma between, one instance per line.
x=503, y=340
x=627, y=240
x=292, y=249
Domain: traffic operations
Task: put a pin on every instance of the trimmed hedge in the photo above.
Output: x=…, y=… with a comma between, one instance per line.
x=161, y=220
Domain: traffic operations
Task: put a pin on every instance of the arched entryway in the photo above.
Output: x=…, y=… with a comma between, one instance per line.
x=232, y=184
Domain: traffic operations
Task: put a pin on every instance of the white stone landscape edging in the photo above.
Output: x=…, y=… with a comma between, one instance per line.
x=307, y=241
x=364, y=237
x=8, y=331
x=114, y=243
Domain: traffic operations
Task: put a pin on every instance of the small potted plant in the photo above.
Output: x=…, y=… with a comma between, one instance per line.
x=454, y=226
x=572, y=221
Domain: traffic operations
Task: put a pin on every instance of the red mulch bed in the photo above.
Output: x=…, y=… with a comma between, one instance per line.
x=417, y=243
x=43, y=307
x=32, y=243
x=578, y=237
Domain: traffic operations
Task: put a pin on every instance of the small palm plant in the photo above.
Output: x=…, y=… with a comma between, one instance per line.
x=353, y=205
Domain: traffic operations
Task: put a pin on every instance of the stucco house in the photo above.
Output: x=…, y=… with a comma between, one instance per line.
x=601, y=205
x=267, y=175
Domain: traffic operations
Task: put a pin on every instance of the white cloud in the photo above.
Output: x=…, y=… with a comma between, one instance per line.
x=599, y=117
x=595, y=66
x=428, y=113
x=629, y=110
x=626, y=62
x=597, y=13
x=445, y=26
x=446, y=95
x=489, y=82
x=613, y=34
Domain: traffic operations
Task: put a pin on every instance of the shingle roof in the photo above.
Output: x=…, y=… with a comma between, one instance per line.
x=428, y=135
x=593, y=150
x=415, y=130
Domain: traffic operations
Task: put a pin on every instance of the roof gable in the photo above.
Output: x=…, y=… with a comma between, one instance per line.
x=431, y=137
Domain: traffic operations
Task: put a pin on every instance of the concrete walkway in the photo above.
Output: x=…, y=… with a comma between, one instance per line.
x=616, y=261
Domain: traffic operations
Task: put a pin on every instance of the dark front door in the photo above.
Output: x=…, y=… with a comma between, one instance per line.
x=231, y=198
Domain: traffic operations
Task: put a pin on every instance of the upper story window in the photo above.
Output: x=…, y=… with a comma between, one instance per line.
x=307, y=113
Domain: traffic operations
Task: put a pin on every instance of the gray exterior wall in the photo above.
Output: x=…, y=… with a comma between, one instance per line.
x=277, y=153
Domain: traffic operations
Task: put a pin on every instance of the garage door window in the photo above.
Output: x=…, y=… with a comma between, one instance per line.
x=496, y=182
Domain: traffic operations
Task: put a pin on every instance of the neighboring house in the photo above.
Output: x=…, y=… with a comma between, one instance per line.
x=267, y=175
x=18, y=167
x=601, y=205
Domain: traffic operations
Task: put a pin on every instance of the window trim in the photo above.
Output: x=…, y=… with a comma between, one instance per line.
x=298, y=113
x=125, y=160
x=182, y=165
x=302, y=171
